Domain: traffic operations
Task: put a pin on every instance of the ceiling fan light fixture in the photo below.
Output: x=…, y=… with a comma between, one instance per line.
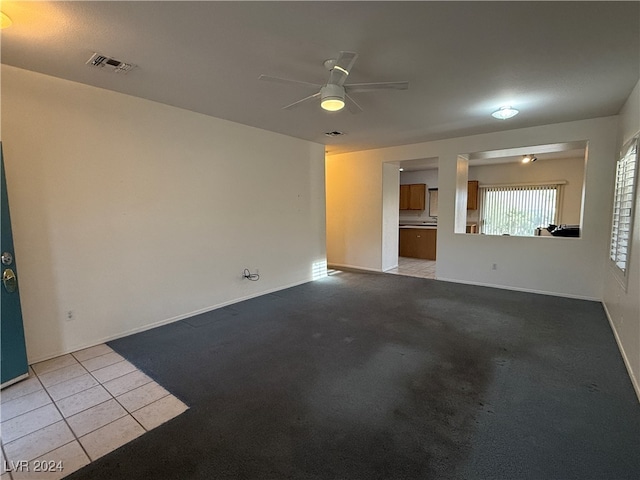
x=504, y=113
x=332, y=97
x=332, y=104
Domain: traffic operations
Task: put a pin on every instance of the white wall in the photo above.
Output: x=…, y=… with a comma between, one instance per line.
x=562, y=266
x=390, y=215
x=623, y=305
x=131, y=213
x=354, y=213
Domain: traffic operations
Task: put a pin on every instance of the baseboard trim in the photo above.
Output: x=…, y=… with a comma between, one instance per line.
x=166, y=321
x=340, y=266
x=627, y=364
x=14, y=380
x=519, y=289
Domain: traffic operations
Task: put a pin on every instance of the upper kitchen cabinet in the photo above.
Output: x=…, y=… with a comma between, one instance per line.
x=412, y=197
x=404, y=197
x=472, y=195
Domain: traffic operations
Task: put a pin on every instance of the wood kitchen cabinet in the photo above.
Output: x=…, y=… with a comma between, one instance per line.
x=404, y=197
x=418, y=243
x=472, y=195
x=412, y=197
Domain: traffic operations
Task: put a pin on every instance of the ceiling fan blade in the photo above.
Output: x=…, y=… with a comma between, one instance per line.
x=288, y=81
x=295, y=104
x=368, y=87
x=352, y=105
x=342, y=67
x=346, y=60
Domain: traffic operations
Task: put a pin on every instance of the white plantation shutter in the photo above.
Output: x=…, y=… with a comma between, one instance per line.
x=623, y=205
x=518, y=209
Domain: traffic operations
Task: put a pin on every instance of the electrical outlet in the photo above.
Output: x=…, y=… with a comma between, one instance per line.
x=70, y=315
x=494, y=266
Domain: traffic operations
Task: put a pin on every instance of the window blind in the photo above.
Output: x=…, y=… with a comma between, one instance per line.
x=518, y=209
x=623, y=205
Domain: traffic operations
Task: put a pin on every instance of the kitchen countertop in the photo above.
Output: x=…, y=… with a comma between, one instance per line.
x=432, y=226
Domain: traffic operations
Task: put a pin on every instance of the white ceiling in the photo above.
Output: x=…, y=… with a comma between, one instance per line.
x=554, y=61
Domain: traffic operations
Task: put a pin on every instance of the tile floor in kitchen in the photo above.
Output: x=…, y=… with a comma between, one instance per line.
x=74, y=409
x=415, y=267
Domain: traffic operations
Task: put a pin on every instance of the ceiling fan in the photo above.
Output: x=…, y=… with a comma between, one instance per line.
x=334, y=94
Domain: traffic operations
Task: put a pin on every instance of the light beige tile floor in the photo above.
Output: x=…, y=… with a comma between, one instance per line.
x=415, y=267
x=75, y=408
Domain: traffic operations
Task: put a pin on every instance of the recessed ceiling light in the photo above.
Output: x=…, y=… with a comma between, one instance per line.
x=401, y=169
x=528, y=159
x=503, y=113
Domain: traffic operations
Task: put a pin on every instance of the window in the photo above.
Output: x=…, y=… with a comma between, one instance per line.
x=518, y=209
x=623, y=205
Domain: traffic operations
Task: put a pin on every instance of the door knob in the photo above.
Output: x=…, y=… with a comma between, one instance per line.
x=9, y=280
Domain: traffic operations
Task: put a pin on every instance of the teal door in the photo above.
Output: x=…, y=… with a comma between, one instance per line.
x=14, y=355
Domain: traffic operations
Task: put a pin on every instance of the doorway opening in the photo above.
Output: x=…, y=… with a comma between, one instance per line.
x=418, y=218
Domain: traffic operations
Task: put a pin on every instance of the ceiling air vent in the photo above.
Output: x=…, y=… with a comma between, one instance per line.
x=335, y=133
x=101, y=61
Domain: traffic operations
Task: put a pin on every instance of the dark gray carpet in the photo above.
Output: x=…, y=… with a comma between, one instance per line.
x=368, y=376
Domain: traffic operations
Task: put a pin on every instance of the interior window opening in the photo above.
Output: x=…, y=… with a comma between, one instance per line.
x=525, y=191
